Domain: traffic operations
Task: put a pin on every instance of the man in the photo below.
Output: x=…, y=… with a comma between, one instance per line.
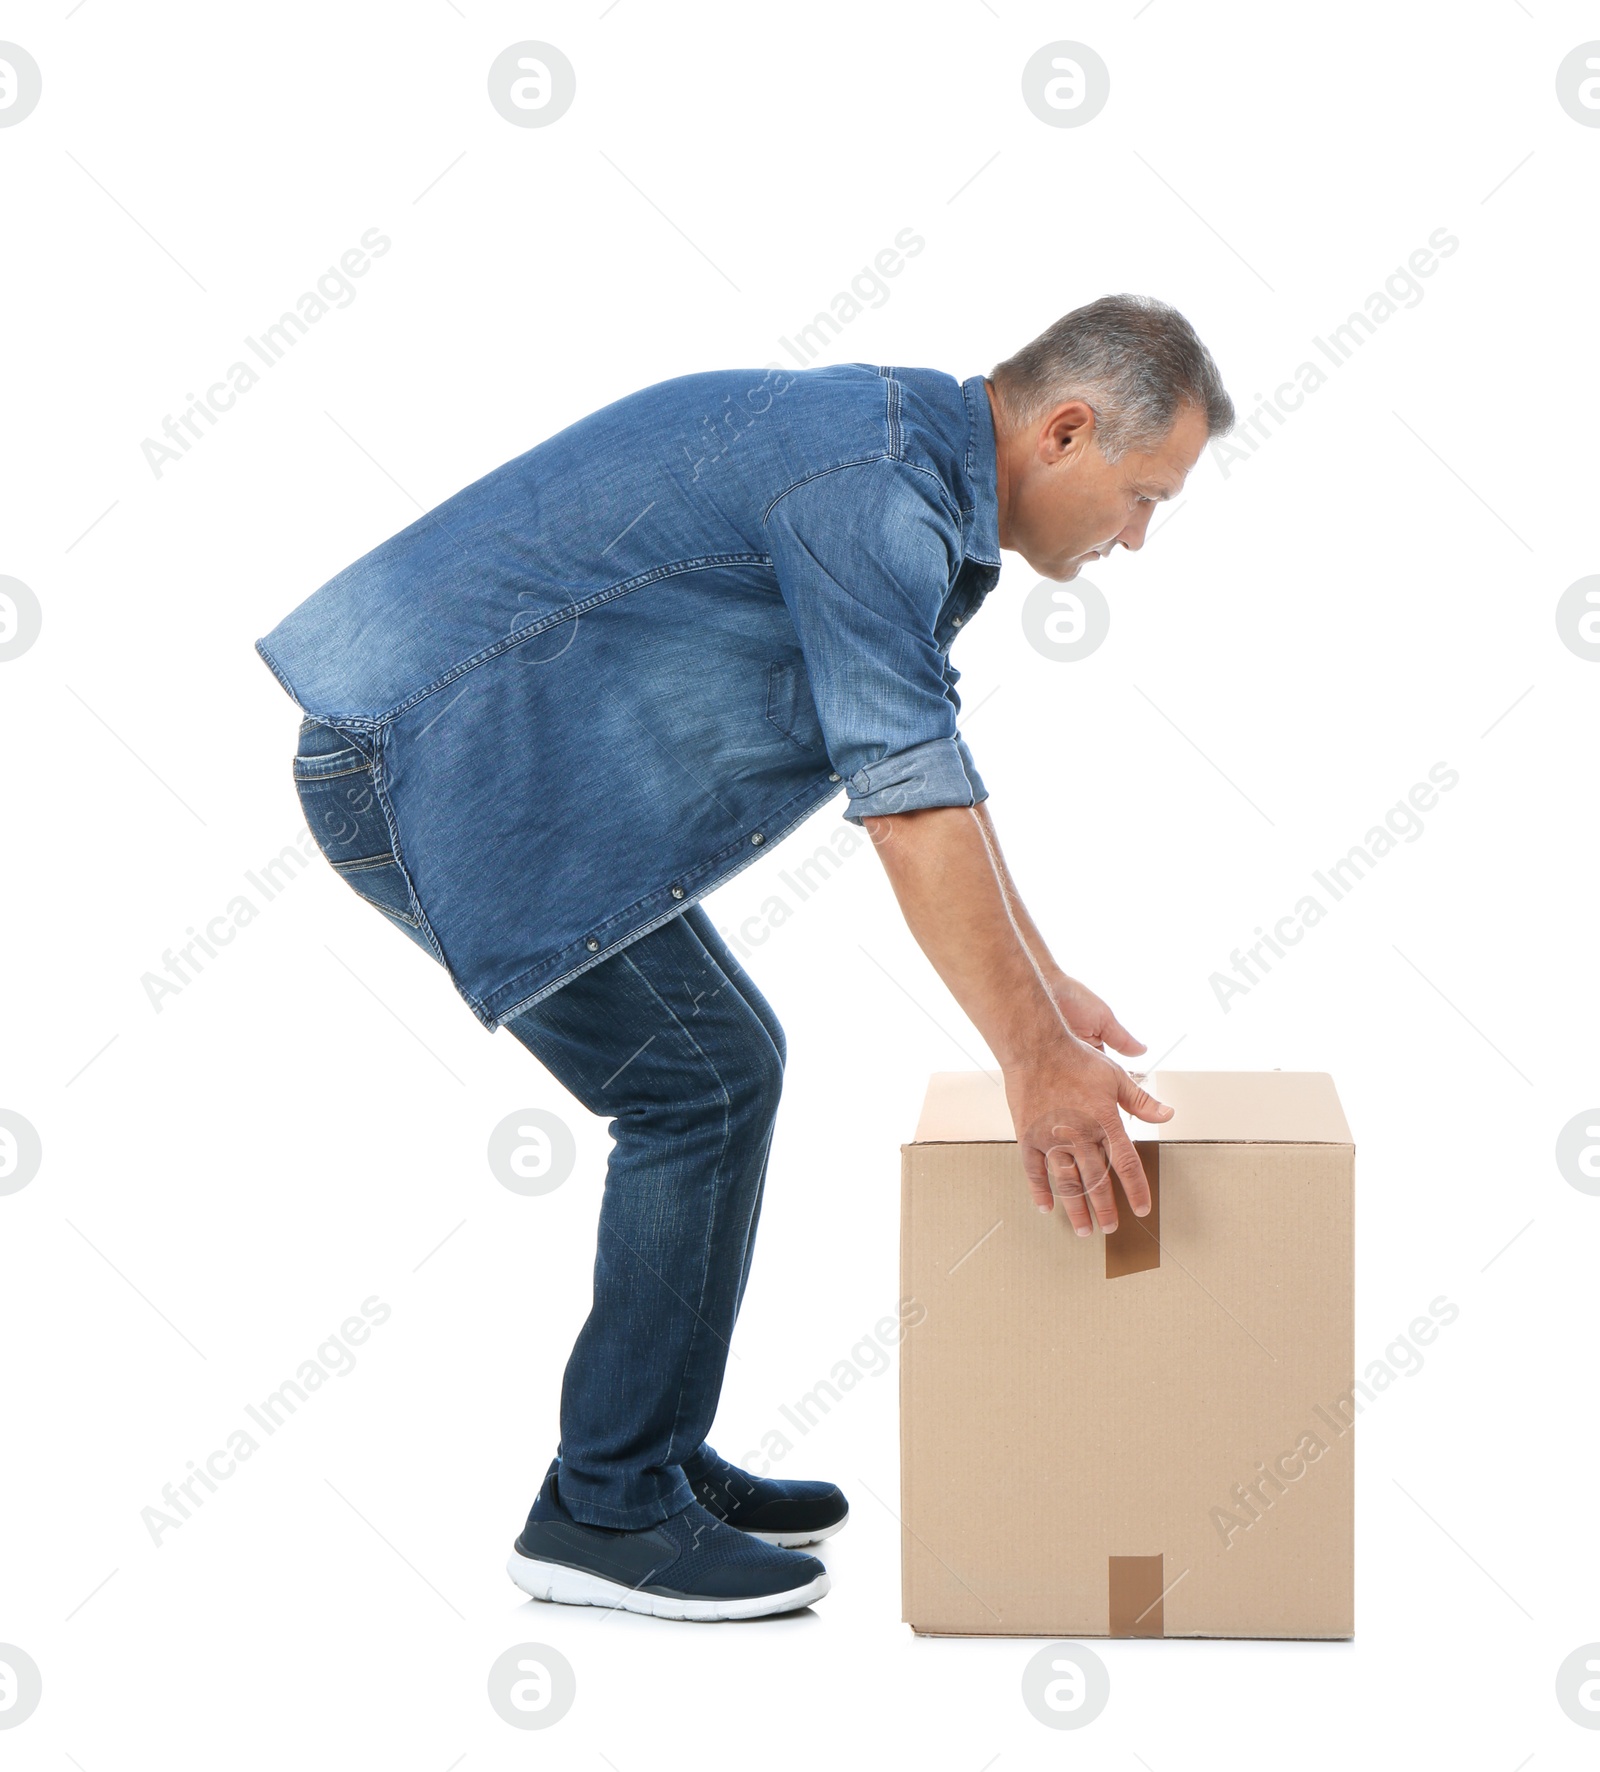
x=551, y=715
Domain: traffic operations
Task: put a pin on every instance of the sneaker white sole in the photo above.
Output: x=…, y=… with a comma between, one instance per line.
x=793, y=1540
x=576, y=1587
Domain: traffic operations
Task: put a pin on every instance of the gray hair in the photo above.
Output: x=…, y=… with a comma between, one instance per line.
x=1131, y=358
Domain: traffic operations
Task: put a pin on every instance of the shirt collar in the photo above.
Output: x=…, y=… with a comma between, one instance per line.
x=983, y=537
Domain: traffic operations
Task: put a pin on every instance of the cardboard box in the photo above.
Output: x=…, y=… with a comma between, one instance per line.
x=1146, y=1434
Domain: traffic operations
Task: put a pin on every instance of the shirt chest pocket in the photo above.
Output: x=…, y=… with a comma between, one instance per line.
x=791, y=709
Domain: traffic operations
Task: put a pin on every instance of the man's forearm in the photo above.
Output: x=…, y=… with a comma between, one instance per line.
x=1027, y=929
x=1065, y=1095
x=947, y=874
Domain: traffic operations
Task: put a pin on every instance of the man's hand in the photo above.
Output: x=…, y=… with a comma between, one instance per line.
x=1047, y=1030
x=1089, y=1018
x=1070, y=1133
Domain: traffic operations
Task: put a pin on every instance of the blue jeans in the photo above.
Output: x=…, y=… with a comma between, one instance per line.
x=672, y=1040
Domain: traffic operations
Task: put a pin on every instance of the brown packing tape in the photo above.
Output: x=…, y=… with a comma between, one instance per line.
x=1134, y=1246
x=1136, y=1596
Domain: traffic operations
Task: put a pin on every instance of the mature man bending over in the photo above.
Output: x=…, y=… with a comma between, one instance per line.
x=551, y=715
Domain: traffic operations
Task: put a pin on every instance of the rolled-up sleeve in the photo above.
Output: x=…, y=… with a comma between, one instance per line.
x=865, y=556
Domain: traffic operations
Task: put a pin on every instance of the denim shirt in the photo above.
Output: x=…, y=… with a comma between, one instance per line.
x=601, y=680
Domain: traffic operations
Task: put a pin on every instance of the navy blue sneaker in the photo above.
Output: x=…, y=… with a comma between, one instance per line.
x=785, y=1513
x=690, y=1566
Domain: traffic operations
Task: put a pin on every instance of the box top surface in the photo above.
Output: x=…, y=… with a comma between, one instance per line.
x=1213, y=1107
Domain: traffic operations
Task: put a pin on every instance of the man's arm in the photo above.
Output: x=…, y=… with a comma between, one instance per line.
x=946, y=871
x=1088, y=1017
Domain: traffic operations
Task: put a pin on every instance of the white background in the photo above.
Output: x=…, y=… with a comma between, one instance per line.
x=226, y=1179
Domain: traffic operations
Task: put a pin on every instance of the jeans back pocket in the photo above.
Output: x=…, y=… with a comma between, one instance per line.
x=335, y=779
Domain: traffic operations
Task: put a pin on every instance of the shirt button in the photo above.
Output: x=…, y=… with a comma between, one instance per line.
x=758, y=839
x=957, y=621
x=592, y=945
x=833, y=775
x=677, y=892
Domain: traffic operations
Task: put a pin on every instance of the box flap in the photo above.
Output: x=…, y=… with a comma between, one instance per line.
x=1213, y=1107
x=965, y=1107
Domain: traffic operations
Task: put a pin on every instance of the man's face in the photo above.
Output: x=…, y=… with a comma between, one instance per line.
x=1066, y=505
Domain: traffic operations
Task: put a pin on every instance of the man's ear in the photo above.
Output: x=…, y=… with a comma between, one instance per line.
x=1070, y=427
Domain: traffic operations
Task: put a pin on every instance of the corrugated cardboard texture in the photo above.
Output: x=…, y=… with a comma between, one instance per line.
x=1053, y=1418
x=1230, y=1107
